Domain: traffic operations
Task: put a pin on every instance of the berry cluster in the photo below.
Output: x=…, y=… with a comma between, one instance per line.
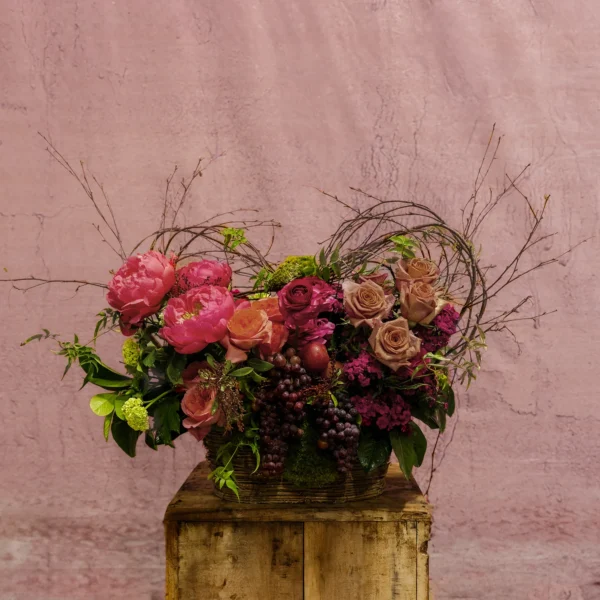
x=282, y=409
x=339, y=432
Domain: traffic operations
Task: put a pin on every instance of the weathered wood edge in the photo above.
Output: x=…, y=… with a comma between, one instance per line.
x=195, y=502
x=172, y=560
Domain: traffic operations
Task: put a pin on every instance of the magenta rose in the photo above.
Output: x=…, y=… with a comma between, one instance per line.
x=203, y=272
x=139, y=286
x=197, y=318
x=303, y=299
x=197, y=404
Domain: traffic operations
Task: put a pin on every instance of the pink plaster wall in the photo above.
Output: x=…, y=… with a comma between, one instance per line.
x=395, y=96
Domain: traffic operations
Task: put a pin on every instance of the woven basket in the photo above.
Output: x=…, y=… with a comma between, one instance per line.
x=355, y=485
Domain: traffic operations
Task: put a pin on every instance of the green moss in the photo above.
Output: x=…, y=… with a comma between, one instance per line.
x=291, y=268
x=306, y=465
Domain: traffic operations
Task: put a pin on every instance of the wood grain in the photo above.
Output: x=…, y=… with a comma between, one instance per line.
x=240, y=561
x=401, y=500
x=356, y=561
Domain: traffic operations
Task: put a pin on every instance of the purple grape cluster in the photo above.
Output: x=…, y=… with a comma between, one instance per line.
x=339, y=432
x=282, y=409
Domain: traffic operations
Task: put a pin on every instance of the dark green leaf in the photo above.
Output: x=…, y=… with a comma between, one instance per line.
x=107, y=423
x=419, y=442
x=260, y=366
x=150, y=440
x=175, y=367
x=404, y=450
x=167, y=420
x=451, y=401
x=421, y=413
x=125, y=437
x=373, y=450
x=109, y=384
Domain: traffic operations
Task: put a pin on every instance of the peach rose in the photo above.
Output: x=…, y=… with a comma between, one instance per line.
x=270, y=306
x=393, y=343
x=415, y=269
x=279, y=336
x=420, y=303
x=247, y=328
x=197, y=404
x=364, y=302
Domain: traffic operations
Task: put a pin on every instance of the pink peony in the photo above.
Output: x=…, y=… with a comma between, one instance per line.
x=197, y=318
x=197, y=404
x=139, y=286
x=303, y=299
x=203, y=272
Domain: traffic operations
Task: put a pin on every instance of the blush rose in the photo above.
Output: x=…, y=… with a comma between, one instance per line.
x=197, y=404
x=364, y=302
x=393, y=343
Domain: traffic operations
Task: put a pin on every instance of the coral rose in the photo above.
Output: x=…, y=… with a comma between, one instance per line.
x=246, y=329
x=197, y=404
x=366, y=301
x=139, y=286
x=203, y=272
x=197, y=318
x=420, y=303
x=393, y=343
x=415, y=269
x=303, y=299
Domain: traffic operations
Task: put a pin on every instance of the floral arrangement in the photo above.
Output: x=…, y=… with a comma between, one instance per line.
x=314, y=363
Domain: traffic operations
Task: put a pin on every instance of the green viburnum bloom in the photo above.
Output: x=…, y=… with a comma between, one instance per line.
x=131, y=352
x=136, y=414
x=291, y=268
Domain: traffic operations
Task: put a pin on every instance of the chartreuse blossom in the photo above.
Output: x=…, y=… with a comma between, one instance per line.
x=136, y=414
x=131, y=352
x=293, y=267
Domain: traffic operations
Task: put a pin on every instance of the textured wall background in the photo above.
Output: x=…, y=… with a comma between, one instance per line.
x=395, y=96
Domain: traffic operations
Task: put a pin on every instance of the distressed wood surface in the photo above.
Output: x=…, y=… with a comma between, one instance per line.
x=368, y=550
x=401, y=500
x=240, y=561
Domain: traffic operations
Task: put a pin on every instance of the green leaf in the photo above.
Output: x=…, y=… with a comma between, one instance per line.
x=241, y=372
x=451, y=401
x=150, y=440
x=150, y=359
x=404, y=450
x=233, y=487
x=107, y=423
x=421, y=413
x=103, y=404
x=419, y=442
x=373, y=449
x=260, y=366
x=109, y=384
x=210, y=359
x=322, y=258
x=175, y=367
x=119, y=408
x=167, y=420
x=125, y=437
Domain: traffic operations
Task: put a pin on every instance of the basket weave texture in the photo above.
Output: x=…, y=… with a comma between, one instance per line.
x=355, y=485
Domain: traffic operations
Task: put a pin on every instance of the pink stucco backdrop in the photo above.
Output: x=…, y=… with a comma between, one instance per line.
x=397, y=97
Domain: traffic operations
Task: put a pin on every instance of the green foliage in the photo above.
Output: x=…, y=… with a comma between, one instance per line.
x=403, y=245
x=374, y=448
x=306, y=465
x=109, y=318
x=409, y=448
x=233, y=237
x=125, y=437
x=291, y=268
x=167, y=420
x=40, y=336
x=260, y=366
x=103, y=404
x=329, y=267
x=175, y=368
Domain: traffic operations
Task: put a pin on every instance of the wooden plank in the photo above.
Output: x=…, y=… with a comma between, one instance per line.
x=172, y=560
x=423, y=535
x=241, y=561
x=402, y=500
x=356, y=561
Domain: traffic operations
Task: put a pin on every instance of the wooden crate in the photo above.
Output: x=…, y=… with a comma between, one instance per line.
x=369, y=550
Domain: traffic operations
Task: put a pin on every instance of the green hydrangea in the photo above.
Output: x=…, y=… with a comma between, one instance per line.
x=291, y=268
x=131, y=352
x=136, y=414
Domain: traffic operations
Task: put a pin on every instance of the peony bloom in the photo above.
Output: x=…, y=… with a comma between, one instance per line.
x=315, y=330
x=303, y=299
x=197, y=404
x=365, y=302
x=419, y=302
x=393, y=343
x=246, y=329
x=203, y=272
x=197, y=318
x=139, y=286
x=415, y=269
